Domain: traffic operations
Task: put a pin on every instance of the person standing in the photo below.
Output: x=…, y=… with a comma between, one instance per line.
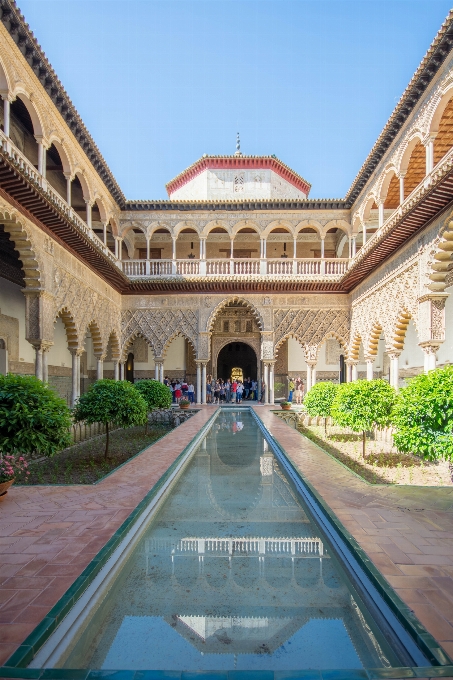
x=234, y=387
x=239, y=390
x=191, y=392
x=254, y=390
x=227, y=391
x=291, y=389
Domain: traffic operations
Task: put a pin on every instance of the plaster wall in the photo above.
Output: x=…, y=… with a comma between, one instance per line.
x=59, y=355
x=235, y=184
x=12, y=303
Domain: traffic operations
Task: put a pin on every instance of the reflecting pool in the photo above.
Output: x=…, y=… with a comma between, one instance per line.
x=231, y=573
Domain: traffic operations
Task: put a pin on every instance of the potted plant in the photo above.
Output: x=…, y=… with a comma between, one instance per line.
x=184, y=403
x=286, y=405
x=10, y=466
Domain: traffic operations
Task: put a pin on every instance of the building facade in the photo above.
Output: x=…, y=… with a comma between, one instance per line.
x=239, y=268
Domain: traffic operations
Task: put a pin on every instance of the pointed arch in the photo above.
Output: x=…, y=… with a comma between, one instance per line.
x=372, y=346
x=228, y=301
x=31, y=266
x=399, y=330
x=128, y=342
x=354, y=346
x=114, y=342
x=98, y=345
x=175, y=335
x=70, y=327
x=284, y=339
x=441, y=259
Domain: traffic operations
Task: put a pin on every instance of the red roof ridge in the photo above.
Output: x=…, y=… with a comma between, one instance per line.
x=274, y=163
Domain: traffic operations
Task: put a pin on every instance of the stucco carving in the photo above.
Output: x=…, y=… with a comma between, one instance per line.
x=159, y=326
x=311, y=326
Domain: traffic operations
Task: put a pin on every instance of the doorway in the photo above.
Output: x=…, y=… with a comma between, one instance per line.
x=130, y=367
x=236, y=357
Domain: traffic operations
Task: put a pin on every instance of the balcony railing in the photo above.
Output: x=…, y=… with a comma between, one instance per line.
x=291, y=268
x=29, y=170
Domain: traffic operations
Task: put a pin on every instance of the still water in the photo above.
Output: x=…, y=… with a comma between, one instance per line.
x=231, y=573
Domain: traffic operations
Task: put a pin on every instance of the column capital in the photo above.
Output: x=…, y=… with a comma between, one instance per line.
x=430, y=347
x=43, y=345
x=7, y=96
x=101, y=357
x=76, y=351
x=370, y=358
x=42, y=140
x=394, y=353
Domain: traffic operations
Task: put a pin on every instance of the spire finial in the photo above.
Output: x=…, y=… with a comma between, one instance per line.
x=238, y=146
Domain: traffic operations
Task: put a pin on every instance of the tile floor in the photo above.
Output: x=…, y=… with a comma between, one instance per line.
x=49, y=534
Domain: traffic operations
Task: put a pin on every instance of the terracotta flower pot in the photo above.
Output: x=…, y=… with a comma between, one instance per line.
x=285, y=407
x=184, y=406
x=4, y=486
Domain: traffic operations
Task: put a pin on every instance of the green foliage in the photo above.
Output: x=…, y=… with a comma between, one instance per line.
x=154, y=393
x=111, y=401
x=319, y=399
x=363, y=404
x=33, y=418
x=423, y=415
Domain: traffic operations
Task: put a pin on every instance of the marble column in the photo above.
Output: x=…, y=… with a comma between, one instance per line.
x=266, y=383
x=6, y=116
x=308, y=386
x=75, y=377
x=38, y=362
x=369, y=369
x=45, y=364
x=354, y=373
x=394, y=370
x=198, y=382
x=430, y=357
x=116, y=370
x=271, y=383
x=203, y=382
x=99, y=368
x=156, y=370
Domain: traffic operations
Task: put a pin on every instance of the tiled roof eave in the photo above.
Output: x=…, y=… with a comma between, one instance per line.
x=20, y=32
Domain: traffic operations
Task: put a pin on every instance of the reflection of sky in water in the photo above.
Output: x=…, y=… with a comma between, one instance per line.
x=135, y=647
x=231, y=573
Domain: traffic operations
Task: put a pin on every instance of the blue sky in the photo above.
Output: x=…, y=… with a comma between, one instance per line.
x=159, y=83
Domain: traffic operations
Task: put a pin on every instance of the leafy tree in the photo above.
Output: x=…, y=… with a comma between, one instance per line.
x=154, y=393
x=363, y=404
x=111, y=401
x=423, y=415
x=33, y=418
x=319, y=399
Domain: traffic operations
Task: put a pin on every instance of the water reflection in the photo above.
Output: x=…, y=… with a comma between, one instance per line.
x=231, y=574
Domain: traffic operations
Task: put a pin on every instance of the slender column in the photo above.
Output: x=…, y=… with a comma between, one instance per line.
x=430, y=357
x=350, y=247
x=88, y=205
x=322, y=248
x=41, y=158
x=264, y=249
x=271, y=384
x=116, y=370
x=6, y=116
x=369, y=369
x=266, y=383
x=173, y=254
x=122, y=372
x=156, y=370
x=354, y=374
x=74, y=378
x=45, y=364
x=402, y=189
x=201, y=248
x=148, y=243
x=203, y=382
x=364, y=233
x=99, y=368
x=429, y=147
x=394, y=370
x=161, y=377
x=105, y=232
x=295, y=248
x=353, y=246
x=68, y=189
x=38, y=362
x=313, y=376
x=309, y=377
x=232, y=248
x=381, y=213
x=198, y=382
x=348, y=371
x=119, y=242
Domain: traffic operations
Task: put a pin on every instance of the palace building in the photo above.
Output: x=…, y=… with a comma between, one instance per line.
x=240, y=269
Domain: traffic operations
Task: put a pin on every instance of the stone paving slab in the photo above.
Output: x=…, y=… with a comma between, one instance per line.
x=406, y=531
x=48, y=534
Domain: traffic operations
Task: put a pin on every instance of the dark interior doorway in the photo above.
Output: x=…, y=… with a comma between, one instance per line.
x=130, y=367
x=237, y=355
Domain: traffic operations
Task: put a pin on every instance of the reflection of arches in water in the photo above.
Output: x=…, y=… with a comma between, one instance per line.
x=237, y=355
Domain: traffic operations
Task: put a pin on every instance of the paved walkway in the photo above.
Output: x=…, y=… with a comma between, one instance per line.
x=406, y=531
x=49, y=534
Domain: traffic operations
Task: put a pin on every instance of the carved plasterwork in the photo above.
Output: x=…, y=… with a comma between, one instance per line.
x=382, y=309
x=158, y=327
x=311, y=326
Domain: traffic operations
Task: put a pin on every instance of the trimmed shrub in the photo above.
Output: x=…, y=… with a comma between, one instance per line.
x=362, y=405
x=423, y=415
x=33, y=418
x=154, y=393
x=319, y=400
x=111, y=401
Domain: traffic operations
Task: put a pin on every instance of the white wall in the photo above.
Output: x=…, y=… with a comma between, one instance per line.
x=59, y=354
x=445, y=353
x=176, y=355
x=412, y=355
x=12, y=303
